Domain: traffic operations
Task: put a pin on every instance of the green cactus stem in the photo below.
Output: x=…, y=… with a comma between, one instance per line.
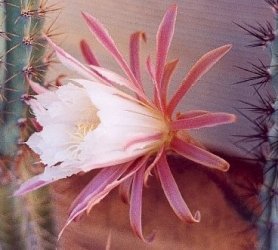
x=26, y=223
x=268, y=221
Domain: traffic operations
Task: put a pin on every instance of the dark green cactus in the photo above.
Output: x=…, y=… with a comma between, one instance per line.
x=25, y=223
x=268, y=222
x=266, y=126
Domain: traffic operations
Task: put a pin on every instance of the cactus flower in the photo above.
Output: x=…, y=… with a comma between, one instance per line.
x=90, y=123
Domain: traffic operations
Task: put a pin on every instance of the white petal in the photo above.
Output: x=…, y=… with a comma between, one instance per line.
x=34, y=141
x=109, y=120
x=100, y=94
x=57, y=134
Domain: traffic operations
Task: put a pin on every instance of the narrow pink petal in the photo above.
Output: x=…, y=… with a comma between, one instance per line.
x=203, y=121
x=166, y=78
x=199, y=155
x=73, y=64
x=152, y=165
x=135, y=212
x=50, y=174
x=163, y=40
x=134, y=48
x=156, y=91
x=124, y=190
x=105, y=177
x=88, y=53
x=99, y=182
x=173, y=194
x=108, y=242
x=31, y=185
x=105, y=39
x=145, y=138
x=150, y=69
x=191, y=114
x=137, y=165
x=98, y=188
x=119, y=80
x=37, y=126
x=36, y=87
x=92, y=199
x=203, y=65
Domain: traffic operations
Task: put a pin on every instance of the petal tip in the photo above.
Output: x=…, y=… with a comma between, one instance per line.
x=233, y=118
x=173, y=7
x=29, y=186
x=227, y=47
x=224, y=167
x=197, y=216
x=86, y=16
x=143, y=36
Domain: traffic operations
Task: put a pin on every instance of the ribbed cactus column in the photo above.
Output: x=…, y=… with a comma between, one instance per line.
x=268, y=221
x=17, y=58
x=25, y=223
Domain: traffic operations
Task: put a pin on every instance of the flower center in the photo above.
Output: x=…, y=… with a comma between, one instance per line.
x=83, y=128
x=80, y=132
x=168, y=133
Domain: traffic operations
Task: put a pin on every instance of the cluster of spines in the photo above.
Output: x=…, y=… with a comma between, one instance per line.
x=24, y=223
x=264, y=140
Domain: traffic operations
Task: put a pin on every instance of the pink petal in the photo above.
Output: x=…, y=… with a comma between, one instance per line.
x=134, y=46
x=203, y=121
x=36, y=87
x=138, y=165
x=163, y=40
x=115, y=78
x=88, y=53
x=96, y=189
x=203, y=65
x=108, y=242
x=199, y=155
x=191, y=114
x=99, y=182
x=105, y=39
x=145, y=138
x=152, y=165
x=50, y=174
x=124, y=190
x=150, y=69
x=37, y=126
x=173, y=194
x=167, y=74
x=73, y=64
x=99, y=187
x=31, y=185
x=135, y=212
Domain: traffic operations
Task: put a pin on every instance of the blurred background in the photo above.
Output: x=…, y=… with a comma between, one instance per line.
x=201, y=26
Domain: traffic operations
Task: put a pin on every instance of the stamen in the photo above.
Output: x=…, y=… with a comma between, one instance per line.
x=82, y=129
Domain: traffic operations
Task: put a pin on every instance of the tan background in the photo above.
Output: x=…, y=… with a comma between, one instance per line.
x=201, y=26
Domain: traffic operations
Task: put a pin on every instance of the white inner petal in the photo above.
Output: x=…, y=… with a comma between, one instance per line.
x=89, y=125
